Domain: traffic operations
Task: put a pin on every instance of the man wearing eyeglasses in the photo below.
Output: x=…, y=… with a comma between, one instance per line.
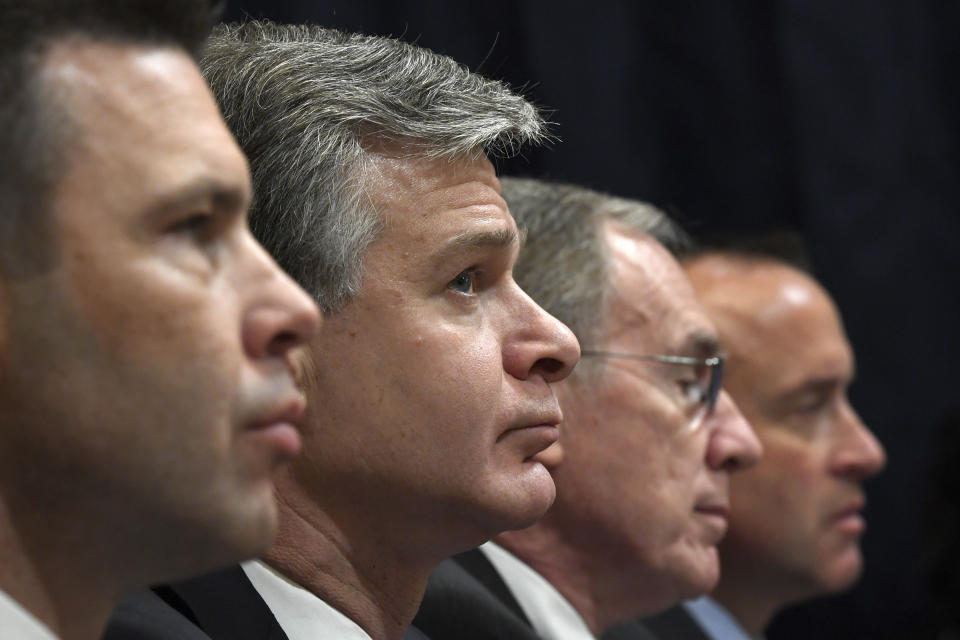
x=649, y=437
x=796, y=518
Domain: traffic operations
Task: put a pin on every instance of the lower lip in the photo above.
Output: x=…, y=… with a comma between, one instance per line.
x=534, y=439
x=851, y=524
x=282, y=437
x=717, y=519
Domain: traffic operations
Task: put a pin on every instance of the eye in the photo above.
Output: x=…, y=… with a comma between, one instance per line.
x=197, y=225
x=465, y=282
x=693, y=391
x=812, y=404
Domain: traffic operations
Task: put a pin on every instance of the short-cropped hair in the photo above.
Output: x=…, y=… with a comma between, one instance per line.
x=35, y=128
x=784, y=246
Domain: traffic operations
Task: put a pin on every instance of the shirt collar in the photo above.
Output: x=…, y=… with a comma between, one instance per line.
x=716, y=620
x=20, y=623
x=552, y=615
x=301, y=614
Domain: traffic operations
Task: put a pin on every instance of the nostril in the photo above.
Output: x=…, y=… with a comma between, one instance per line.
x=284, y=342
x=732, y=464
x=549, y=366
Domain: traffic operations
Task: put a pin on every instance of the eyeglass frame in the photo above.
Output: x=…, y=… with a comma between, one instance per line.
x=714, y=363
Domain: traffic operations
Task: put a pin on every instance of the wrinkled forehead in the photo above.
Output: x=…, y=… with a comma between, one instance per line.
x=401, y=176
x=650, y=300
x=416, y=195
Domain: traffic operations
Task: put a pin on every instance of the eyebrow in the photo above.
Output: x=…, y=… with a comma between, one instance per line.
x=499, y=239
x=817, y=386
x=700, y=343
x=219, y=193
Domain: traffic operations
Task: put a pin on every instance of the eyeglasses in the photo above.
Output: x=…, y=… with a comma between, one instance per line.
x=702, y=390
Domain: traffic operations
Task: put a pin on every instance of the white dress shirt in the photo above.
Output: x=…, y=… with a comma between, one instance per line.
x=715, y=620
x=16, y=623
x=552, y=615
x=301, y=614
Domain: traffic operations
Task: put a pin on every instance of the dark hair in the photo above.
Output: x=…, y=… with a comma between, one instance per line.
x=786, y=246
x=34, y=129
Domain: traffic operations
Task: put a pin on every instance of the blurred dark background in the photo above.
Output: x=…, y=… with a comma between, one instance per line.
x=839, y=119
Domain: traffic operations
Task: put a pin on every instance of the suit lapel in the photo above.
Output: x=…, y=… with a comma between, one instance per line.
x=477, y=564
x=470, y=601
x=226, y=606
x=675, y=622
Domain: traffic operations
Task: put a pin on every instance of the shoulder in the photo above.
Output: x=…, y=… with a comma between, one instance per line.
x=414, y=634
x=459, y=605
x=145, y=616
x=676, y=622
x=222, y=605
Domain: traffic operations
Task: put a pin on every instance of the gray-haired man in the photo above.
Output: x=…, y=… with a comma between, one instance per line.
x=649, y=436
x=433, y=371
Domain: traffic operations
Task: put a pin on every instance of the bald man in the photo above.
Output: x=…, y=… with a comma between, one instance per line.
x=796, y=517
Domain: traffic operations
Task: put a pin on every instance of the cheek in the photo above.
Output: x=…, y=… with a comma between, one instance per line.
x=642, y=475
x=145, y=306
x=453, y=375
x=408, y=395
x=776, y=502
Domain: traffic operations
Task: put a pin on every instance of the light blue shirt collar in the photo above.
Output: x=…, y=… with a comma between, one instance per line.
x=715, y=620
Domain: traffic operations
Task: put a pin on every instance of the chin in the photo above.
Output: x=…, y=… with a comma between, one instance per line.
x=674, y=589
x=247, y=530
x=842, y=573
x=524, y=503
x=541, y=491
x=702, y=577
x=704, y=584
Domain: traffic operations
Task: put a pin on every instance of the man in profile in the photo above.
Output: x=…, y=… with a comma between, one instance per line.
x=796, y=518
x=145, y=384
x=650, y=439
x=369, y=158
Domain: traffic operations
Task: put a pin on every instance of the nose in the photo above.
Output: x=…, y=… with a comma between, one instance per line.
x=278, y=315
x=857, y=454
x=537, y=343
x=733, y=445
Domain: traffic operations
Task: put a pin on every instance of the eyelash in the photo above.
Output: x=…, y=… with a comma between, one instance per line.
x=813, y=406
x=194, y=225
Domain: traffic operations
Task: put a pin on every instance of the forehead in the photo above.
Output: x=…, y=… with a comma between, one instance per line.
x=651, y=303
x=427, y=201
x=774, y=318
x=143, y=117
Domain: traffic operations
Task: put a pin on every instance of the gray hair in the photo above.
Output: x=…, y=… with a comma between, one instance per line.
x=306, y=103
x=564, y=264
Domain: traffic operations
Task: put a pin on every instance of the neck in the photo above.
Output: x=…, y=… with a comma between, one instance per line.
x=753, y=604
x=597, y=592
x=602, y=574
x=354, y=564
x=43, y=568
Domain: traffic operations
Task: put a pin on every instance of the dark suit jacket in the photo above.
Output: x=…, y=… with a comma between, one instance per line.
x=218, y=606
x=467, y=599
x=675, y=623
